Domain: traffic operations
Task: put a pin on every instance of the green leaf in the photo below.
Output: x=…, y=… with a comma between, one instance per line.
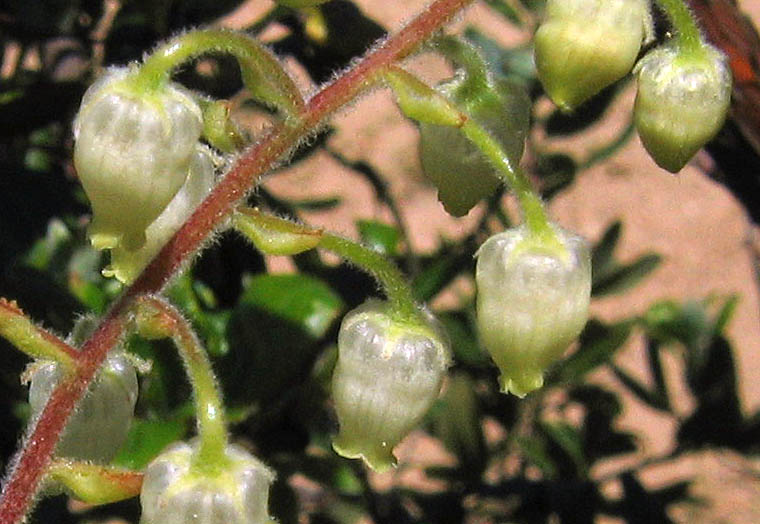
x=655, y=369
x=464, y=342
x=506, y=10
x=378, y=236
x=275, y=333
x=602, y=254
x=535, y=451
x=637, y=388
x=598, y=344
x=303, y=301
x=146, y=439
x=556, y=171
x=441, y=270
x=570, y=440
x=457, y=424
x=626, y=276
x=515, y=63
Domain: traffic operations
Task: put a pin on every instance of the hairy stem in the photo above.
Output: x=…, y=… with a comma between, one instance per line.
x=156, y=318
x=687, y=35
x=24, y=478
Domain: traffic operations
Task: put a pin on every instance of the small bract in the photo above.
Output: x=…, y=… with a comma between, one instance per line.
x=681, y=103
x=584, y=46
x=132, y=153
x=99, y=425
x=532, y=302
x=173, y=492
x=387, y=376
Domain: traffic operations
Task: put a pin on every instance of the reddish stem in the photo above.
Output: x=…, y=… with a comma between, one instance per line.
x=25, y=477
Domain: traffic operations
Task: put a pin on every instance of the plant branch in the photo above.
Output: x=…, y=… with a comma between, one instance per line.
x=24, y=477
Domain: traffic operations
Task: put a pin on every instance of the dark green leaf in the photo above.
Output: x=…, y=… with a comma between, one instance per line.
x=147, y=438
x=655, y=369
x=515, y=63
x=602, y=254
x=569, y=439
x=561, y=123
x=274, y=334
x=380, y=237
x=303, y=301
x=506, y=10
x=598, y=343
x=535, y=451
x=556, y=171
x=648, y=397
x=457, y=424
x=464, y=342
x=626, y=276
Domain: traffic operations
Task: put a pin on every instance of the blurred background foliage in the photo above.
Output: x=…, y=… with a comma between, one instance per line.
x=481, y=456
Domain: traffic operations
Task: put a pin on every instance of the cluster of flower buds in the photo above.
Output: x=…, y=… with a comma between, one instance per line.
x=533, y=300
x=387, y=376
x=684, y=90
x=135, y=149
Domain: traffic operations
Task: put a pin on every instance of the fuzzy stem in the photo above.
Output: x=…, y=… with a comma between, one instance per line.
x=250, y=221
x=384, y=271
x=23, y=480
x=262, y=73
x=156, y=318
x=687, y=38
x=32, y=340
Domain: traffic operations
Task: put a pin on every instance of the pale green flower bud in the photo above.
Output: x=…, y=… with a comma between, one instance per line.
x=174, y=492
x=100, y=423
x=532, y=302
x=132, y=154
x=387, y=376
x=584, y=46
x=126, y=265
x=458, y=169
x=681, y=103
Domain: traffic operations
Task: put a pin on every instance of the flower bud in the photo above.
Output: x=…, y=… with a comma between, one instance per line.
x=174, y=492
x=457, y=168
x=532, y=302
x=387, y=376
x=132, y=153
x=681, y=103
x=126, y=265
x=584, y=46
x=100, y=423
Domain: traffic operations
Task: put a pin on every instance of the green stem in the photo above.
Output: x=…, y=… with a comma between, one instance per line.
x=158, y=319
x=423, y=103
x=465, y=56
x=687, y=38
x=386, y=273
x=265, y=230
x=32, y=340
x=534, y=214
x=262, y=73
